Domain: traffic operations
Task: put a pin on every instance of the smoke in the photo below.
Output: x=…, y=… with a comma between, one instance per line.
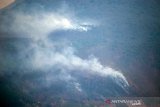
x=38, y=26
x=47, y=54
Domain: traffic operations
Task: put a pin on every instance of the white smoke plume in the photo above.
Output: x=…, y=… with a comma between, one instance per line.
x=45, y=56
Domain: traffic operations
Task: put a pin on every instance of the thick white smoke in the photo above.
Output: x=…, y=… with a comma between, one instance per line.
x=45, y=56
